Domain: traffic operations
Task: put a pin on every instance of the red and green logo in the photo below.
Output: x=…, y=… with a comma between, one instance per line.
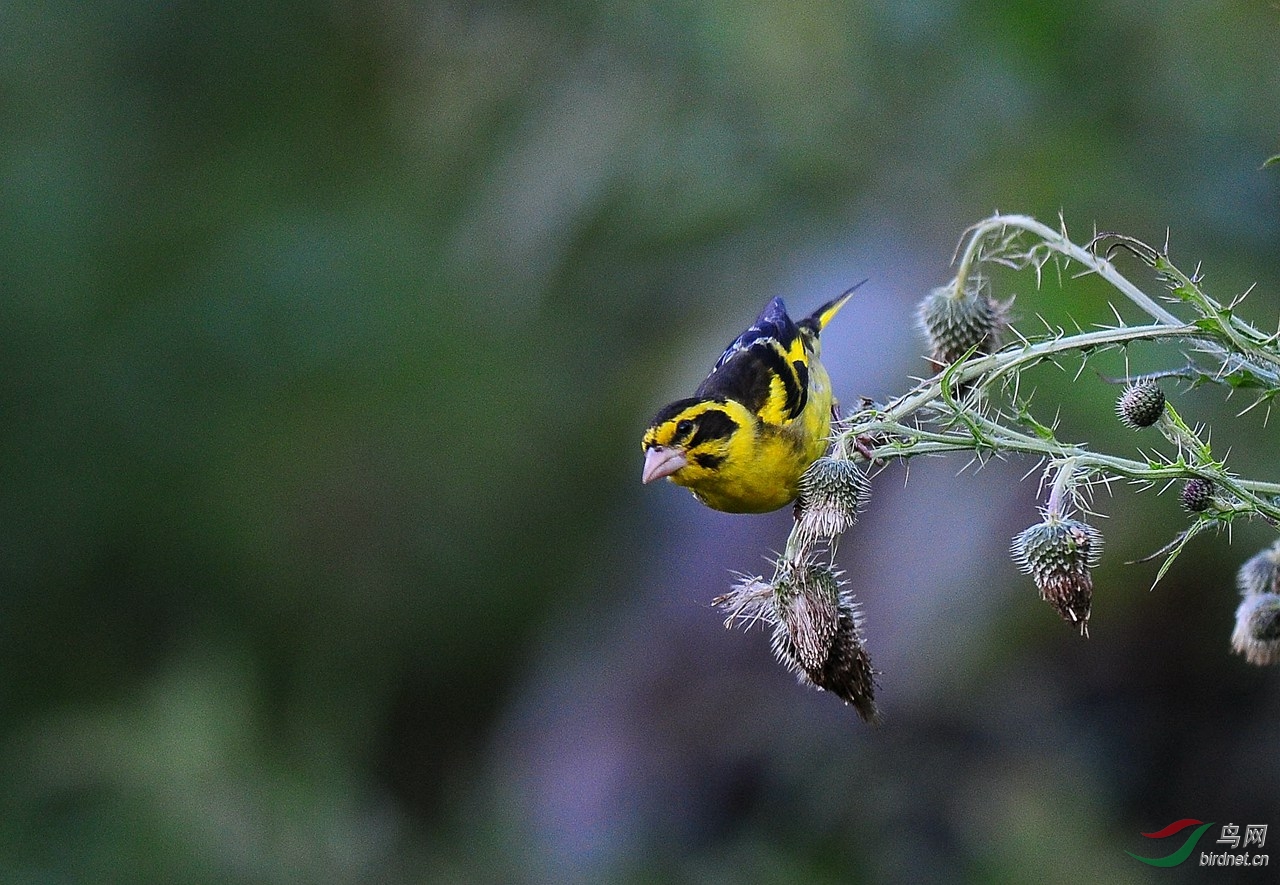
x=1172, y=860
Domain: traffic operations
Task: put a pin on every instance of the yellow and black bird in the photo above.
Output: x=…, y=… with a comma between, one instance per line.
x=757, y=422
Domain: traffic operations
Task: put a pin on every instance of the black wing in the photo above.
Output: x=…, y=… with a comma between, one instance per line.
x=766, y=368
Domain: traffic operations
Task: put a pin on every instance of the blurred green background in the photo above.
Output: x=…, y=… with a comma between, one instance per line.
x=329, y=331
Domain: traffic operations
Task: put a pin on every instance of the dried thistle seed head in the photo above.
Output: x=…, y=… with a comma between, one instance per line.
x=821, y=643
x=1141, y=405
x=751, y=599
x=1197, y=495
x=1257, y=632
x=1260, y=572
x=956, y=323
x=832, y=493
x=847, y=672
x=1058, y=554
x=807, y=601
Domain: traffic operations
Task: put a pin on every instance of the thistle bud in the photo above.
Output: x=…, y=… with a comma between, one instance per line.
x=955, y=324
x=1140, y=405
x=818, y=636
x=1058, y=554
x=832, y=493
x=1197, y=495
x=1260, y=572
x=1257, y=632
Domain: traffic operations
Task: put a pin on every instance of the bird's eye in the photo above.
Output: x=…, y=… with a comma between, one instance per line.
x=684, y=428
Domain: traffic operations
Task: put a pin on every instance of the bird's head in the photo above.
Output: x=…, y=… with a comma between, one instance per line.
x=689, y=440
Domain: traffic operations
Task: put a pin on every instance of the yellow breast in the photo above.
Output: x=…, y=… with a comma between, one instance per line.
x=765, y=461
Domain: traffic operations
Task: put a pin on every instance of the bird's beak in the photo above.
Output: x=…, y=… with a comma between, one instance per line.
x=661, y=461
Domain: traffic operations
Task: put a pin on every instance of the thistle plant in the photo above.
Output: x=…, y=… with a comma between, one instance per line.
x=976, y=403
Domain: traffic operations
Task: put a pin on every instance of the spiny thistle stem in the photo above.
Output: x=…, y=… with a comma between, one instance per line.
x=911, y=441
x=1061, y=484
x=1015, y=359
x=1056, y=241
x=1242, y=338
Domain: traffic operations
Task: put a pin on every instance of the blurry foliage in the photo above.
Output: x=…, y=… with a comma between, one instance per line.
x=328, y=328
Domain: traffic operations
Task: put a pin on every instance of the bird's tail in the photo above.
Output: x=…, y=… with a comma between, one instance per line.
x=820, y=317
